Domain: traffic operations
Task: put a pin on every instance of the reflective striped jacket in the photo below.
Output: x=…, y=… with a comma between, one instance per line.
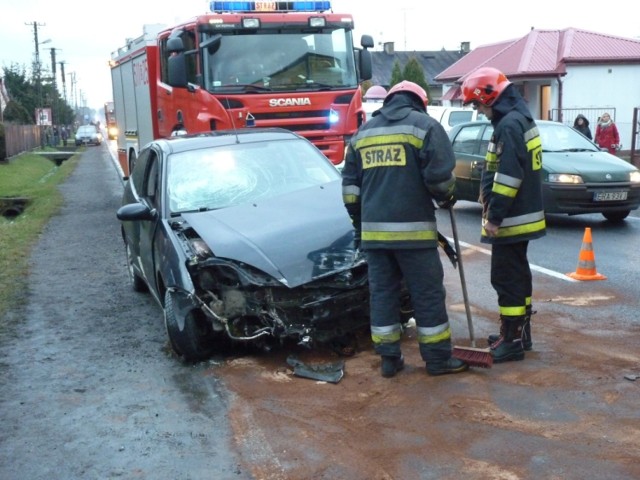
x=396, y=165
x=511, y=183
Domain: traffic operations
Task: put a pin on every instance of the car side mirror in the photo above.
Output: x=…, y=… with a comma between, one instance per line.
x=136, y=211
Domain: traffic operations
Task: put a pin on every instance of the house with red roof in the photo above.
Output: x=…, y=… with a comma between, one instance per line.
x=562, y=73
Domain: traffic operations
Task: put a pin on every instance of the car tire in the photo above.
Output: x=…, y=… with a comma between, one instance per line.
x=616, y=217
x=137, y=283
x=194, y=340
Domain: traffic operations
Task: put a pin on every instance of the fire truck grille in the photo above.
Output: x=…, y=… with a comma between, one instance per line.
x=288, y=119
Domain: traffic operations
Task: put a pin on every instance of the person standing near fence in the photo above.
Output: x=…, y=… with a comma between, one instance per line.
x=581, y=124
x=607, y=135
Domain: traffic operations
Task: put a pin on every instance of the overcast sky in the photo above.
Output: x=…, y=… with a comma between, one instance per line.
x=85, y=33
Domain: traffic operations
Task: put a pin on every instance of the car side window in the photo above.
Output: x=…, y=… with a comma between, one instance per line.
x=486, y=137
x=138, y=173
x=462, y=116
x=152, y=180
x=466, y=141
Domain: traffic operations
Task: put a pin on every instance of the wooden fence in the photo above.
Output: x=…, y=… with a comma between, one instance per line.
x=20, y=138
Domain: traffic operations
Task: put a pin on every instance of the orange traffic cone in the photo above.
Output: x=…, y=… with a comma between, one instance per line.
x=586, y=269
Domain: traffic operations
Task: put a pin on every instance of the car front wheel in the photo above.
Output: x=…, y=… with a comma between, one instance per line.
x=192, y=336
x=616, y=217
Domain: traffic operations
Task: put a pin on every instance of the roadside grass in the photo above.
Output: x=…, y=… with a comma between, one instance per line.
x=26, y=176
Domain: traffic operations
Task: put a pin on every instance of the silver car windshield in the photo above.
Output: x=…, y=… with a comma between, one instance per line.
x=221, y=177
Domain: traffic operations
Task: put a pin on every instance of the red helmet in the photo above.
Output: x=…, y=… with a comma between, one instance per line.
x=377, y=92
x=409, y=87
x=484, y=86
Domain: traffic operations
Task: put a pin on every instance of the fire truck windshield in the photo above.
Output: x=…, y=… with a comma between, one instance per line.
x=281, y=61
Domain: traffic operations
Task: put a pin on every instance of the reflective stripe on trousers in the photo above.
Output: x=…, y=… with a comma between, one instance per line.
x=511, y=277
x=423, y=273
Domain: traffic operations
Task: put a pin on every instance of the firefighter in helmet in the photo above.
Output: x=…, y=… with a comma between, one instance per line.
x=396, y=166
x=512, y=207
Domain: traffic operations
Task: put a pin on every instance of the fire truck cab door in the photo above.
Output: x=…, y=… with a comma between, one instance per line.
x=179, y=101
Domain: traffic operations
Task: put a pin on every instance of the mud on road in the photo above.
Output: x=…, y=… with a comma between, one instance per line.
x=91, y=390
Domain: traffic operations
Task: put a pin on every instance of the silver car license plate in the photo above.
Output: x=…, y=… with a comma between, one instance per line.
x=609, y=196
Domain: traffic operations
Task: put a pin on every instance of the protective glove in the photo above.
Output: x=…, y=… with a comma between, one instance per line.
x=446, y=203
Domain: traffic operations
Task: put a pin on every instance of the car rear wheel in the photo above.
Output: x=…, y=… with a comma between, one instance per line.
x=192, y=337
x=137, y=283
x=616, y=217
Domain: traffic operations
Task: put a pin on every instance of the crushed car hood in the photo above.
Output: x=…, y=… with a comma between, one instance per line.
x=295, y=237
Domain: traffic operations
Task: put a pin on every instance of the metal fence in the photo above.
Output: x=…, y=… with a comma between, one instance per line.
x=568, y=115
x=20, y=138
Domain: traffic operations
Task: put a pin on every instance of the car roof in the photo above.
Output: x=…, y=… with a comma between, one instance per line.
x=220, y=138
x=456, y=128
x=484, y=122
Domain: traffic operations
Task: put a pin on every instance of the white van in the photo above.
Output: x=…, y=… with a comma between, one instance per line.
x=451, y=116
x=371, y=106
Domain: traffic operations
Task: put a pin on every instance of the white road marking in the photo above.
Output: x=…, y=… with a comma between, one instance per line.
x=545, y=271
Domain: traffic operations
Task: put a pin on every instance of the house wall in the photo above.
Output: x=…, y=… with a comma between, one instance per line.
x=612, y=88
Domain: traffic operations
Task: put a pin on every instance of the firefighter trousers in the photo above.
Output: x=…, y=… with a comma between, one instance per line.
x=511, y=278
x=423, y=275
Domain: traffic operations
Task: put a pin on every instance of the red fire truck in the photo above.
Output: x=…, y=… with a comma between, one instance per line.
x=265, y=64
x=110, y=120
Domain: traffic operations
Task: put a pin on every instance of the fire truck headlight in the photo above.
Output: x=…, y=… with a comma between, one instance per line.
x=334, y=117
x=251, y=23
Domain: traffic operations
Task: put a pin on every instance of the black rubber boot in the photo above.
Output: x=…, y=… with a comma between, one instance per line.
x=391, y=365
x=509, y=347
x=527, y=342
x=452, y=365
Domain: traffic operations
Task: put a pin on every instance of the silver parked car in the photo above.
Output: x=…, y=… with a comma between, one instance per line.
x=88, y=135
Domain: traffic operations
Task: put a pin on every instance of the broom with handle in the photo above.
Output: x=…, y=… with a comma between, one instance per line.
x=476, y=357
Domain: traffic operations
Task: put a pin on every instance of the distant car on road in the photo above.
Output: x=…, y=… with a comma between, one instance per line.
x=242, y=237
x=88, y=135
x=578, y=177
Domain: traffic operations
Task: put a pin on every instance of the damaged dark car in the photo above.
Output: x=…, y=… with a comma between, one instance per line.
x=242, y=237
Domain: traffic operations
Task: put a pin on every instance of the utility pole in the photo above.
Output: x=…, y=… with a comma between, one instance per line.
x=37, y=74
x=35, y=25
x=64, y=82
x=54, y=99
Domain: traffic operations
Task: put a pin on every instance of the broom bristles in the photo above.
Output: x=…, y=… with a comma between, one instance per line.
x=475, y=357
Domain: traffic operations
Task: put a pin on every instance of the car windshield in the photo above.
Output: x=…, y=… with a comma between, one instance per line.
x=87, y=130
x=557, y=137
x=221, y=177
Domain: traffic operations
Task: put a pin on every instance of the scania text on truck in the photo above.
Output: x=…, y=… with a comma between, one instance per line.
x=265, y=64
